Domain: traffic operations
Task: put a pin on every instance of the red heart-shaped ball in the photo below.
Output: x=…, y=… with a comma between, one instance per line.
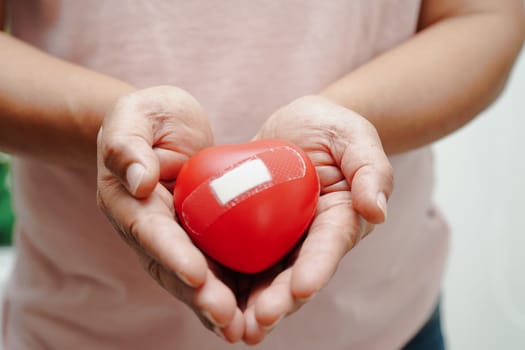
x=247, y=205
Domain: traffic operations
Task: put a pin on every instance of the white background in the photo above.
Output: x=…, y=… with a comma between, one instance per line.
x=480, y=188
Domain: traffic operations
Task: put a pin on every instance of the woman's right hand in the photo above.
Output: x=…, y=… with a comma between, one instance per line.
x=142, y=145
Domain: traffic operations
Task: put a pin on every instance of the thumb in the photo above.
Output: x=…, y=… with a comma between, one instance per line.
x=125, y=146
x=368, y=171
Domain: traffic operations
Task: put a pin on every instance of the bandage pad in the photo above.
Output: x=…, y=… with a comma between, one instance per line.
x=234, y=185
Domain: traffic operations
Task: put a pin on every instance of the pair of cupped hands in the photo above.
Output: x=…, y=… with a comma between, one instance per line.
x=151, y=133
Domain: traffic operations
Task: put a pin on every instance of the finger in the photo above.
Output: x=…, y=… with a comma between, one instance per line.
x=269, y=304
x=331, y=179
x=213, y=302
x=165, y=241
x=253, y=332
x=235, y=330
x=125, y=145
x=162, y=117
x=216, y=302
x=148, y=225
x=170, y=163
x=334, y=231
x=275, y=301
x=368, y=171
x=261, y=281
x=169, y=256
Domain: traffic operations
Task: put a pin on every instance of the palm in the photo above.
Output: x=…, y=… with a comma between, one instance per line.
x=352, y=169
x=334, y=230
x=144, y=140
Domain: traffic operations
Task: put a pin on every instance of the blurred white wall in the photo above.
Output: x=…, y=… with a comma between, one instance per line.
x=481, y=190
x=6, y=264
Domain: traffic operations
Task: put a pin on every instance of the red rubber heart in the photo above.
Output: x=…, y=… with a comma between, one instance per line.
x=247, y=205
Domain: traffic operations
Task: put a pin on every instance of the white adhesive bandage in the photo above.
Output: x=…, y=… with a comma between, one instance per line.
x=244, y=177
x=214, y=197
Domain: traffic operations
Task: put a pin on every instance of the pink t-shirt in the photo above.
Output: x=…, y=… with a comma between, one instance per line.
x=76, y=285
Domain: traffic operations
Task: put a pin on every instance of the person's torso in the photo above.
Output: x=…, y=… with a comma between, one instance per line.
x=76, y=284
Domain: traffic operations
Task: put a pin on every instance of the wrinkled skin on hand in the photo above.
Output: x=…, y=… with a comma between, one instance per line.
x=142, y=145
x=356, y=179
x=147, y=138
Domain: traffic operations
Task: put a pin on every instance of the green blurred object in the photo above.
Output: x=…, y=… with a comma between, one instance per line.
x=6, y=212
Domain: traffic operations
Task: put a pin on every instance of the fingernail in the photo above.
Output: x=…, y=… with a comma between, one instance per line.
x=218, y=331
x=272, y=326
x=210, y=318
x=134, y=176
x=381, y=203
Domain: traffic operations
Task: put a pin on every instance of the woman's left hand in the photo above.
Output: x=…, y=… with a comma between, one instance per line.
x=356, y=180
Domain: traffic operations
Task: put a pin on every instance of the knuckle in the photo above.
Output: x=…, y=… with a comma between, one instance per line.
x=389, y=171
x=131, y=233
x=171, y=103
x=137, y=227
x=364, y=127
x=182, y=100
x=388, y=174
x=126, y=235
x=142, y=231
x=368, y=126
